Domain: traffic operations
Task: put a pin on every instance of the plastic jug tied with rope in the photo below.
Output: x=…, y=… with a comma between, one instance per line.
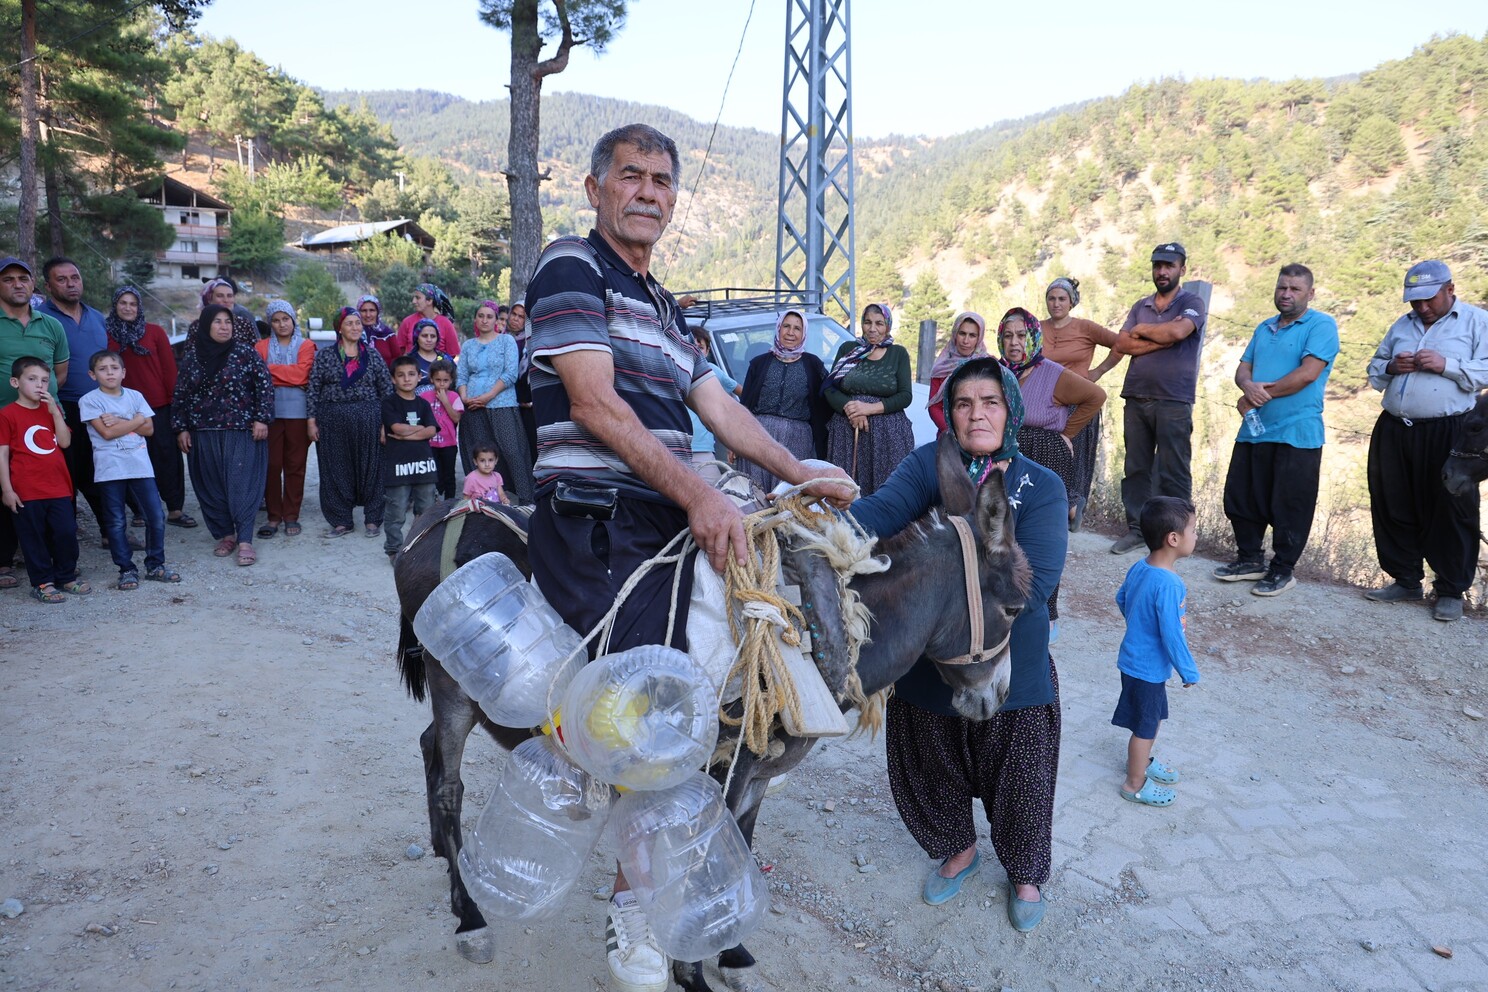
x=690, y=868
x=535, y=835
x=495, y=634
x=646, y=718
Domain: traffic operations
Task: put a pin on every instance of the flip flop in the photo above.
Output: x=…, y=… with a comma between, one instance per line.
x=1161, y=773
x=1150, y=794
x=292, y=528
x=184, y=520
x=268, y=530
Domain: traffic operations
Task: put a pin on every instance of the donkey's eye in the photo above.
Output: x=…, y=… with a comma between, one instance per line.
x=1011, y=612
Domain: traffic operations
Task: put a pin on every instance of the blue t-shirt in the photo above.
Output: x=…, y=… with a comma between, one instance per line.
x=702, y=438
x=84, y=338
x=1153, y=600
x=1275, y=351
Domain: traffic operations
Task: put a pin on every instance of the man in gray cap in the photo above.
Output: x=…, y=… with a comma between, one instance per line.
x=1163, y=333
x=24, y=332
x=1429, y=369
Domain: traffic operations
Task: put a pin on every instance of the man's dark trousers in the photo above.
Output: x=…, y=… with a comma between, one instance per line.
x=1275, y=485
x=1158, y=452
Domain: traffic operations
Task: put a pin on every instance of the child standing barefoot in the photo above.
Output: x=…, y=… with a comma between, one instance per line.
x=1152, y=600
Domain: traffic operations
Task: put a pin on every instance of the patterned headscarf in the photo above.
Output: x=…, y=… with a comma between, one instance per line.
x=442, y=304
x=352, y=369
x=788, y=354
x=1070, y=286
x=980, y=466
x=377, y=331
x=853, y=358
x=206, y=293
x=496, y=308
x=284, y=307
x=418, y=328
x=950, y=359
x=127, y=335
x=1034, y=343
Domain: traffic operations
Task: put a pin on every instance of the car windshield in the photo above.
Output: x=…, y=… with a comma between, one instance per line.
x=736, y=347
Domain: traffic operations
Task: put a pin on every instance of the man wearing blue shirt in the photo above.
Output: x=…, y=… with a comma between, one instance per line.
x=85, y=335
x=1273, y=478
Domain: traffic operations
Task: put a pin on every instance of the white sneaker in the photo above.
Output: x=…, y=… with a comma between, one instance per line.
x=636, y=962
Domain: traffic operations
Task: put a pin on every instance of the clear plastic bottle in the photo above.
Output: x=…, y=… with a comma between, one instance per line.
x=693, y=874
x=1253, y=422
x=644, y=719
x=496, y=635
x=535, y=835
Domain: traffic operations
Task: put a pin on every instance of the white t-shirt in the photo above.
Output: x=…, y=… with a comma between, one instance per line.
x=124, y=457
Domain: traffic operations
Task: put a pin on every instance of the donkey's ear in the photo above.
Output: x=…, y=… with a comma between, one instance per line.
x=957, y=494
x=993, y=515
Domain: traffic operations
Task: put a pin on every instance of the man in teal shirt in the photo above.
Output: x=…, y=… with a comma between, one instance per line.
x=1273, y=478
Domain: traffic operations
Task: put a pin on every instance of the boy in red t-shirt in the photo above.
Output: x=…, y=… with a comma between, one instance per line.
x=35, y=484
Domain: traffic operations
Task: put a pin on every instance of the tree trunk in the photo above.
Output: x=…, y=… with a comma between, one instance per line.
x=26, y=220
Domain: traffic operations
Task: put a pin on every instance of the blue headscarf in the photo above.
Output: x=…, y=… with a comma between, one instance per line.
x=851, y=360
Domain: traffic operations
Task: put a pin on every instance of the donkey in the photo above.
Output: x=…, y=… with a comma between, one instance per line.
x=1468, y=464
x=918, y=606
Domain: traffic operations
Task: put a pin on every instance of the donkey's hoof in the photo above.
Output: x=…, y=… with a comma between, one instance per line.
x=689, y=976
x=477, y=946
x=743, y=979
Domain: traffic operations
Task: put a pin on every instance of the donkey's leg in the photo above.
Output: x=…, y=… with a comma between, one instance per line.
x=689, y=976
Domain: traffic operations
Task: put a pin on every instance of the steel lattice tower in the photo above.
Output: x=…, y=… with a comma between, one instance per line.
x=814, y=238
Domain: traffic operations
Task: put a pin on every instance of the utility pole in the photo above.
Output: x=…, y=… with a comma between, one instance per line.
x=814, y=242
x=250, y=160
x=26, y=217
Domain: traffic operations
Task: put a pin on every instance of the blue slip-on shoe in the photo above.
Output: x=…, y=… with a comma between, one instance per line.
x=1161, y=773
x=1022, y=914
x=939, y=889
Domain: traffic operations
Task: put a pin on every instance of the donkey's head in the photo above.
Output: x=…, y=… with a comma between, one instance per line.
x=1468, y=464
x=980, y=684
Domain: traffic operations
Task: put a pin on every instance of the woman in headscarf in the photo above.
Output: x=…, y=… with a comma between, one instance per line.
x=487, y=385
x=783, y=389
x=221, y=411
x=869, y=387
x=426, y=349
x=1071, y=341
x=939, y=761
x=379, y=335
x=968, y=341
x=429, y=302
x=150, y=365
x=224, y=293
x=348, y=383
x=1057, y=403
x=289, y=356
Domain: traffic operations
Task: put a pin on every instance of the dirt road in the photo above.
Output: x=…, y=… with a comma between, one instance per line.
x=215, y=786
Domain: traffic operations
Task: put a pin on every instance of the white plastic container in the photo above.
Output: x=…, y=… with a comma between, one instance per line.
x=496, y=635
x=535, y=835
x=644, y=719
x=693, y=875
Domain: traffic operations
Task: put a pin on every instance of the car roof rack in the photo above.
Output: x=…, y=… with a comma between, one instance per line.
x=740, y=300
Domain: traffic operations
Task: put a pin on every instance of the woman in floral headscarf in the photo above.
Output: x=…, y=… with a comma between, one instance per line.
x=783, y=390
x=1057, y=403
x=379, y=335
x=430, y=302
x=968, y=341
x=869, y=389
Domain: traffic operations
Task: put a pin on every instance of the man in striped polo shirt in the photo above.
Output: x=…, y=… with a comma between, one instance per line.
x=613, y=374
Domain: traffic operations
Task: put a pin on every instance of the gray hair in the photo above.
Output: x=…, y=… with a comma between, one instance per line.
x=647, y=140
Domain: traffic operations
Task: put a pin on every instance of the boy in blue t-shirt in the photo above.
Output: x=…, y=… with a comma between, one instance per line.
x=1152, y=600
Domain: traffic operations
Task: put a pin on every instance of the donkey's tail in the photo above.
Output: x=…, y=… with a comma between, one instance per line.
x=411, y=660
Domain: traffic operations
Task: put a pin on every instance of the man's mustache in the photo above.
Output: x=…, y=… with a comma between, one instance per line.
x=643, y=211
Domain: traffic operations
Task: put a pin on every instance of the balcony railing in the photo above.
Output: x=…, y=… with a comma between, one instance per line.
x=198, y=257
x=199, y=231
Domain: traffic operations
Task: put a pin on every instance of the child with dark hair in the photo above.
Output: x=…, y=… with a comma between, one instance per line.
x=485, y=482
x=1153, y=601
x=408, y=464
x=35, y=484
x=445, y=401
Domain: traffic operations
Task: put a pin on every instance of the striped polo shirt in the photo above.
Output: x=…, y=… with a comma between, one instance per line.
x=583, y=297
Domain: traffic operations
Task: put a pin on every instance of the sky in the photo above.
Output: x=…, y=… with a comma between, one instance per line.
x=952, y=66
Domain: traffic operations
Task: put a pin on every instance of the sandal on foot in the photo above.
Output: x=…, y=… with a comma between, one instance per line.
x=8, y=578
x=47, y=593
x=1161, y=773
x=162, y=574
x=128, y=580
x=246, y=555
x=1151, y=794
x=184, y=520
x=225, y=546
x=268, y=530
x=374, y=529
x=292, y=528
x=338, y=532
x=77, y=587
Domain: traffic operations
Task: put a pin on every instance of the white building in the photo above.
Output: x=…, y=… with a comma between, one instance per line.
x=201, y=222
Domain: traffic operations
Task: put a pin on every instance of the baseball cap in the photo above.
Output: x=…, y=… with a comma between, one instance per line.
x=11, y=260
x=1425, y=279
x=1170, y=252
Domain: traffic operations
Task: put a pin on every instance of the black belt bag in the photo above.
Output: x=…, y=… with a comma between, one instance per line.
x=573, y=499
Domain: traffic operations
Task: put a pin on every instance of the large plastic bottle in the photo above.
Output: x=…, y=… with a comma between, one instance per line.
x=535, y=835
x=693, y=875
x=496, y=635
x=644, y=719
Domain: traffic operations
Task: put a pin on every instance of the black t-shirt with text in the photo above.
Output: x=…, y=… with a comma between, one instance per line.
x=407, y=463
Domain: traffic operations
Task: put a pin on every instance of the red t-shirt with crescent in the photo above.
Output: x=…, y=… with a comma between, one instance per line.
x=38, y=469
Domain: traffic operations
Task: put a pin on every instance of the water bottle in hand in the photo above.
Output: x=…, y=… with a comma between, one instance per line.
x=1253, y=422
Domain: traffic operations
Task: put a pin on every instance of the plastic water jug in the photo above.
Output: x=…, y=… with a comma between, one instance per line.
x=534, y=836
x=496, y=635
x=644, y=719
x=693, y=875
